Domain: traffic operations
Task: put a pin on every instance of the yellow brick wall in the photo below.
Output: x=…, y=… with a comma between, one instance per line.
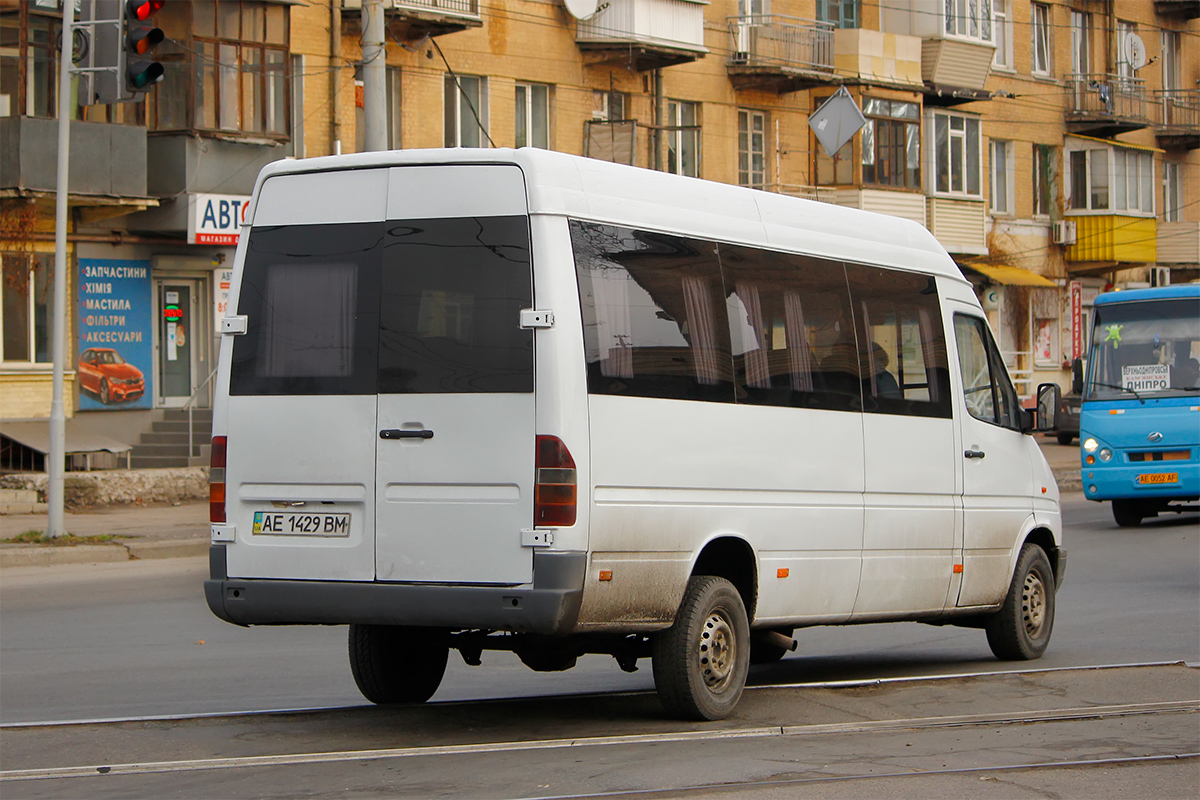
x=27, y=395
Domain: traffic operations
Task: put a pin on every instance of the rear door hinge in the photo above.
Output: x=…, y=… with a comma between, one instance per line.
x=233, y=326
x=536, y=538
x=537, y=318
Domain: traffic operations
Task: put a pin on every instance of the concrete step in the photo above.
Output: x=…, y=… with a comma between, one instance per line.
x=157, y=461
x=20, y=501
x=181, y=415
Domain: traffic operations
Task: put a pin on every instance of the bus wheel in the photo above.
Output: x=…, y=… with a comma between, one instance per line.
x=393, y=664
x=700, y=662
x=1128, y=513
x=1020, y=630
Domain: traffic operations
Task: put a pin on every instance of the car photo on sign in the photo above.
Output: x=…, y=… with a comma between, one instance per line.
x=112, y=379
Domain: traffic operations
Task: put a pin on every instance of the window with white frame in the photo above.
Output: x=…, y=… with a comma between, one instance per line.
x=1040, y=31
x=1172, y=192
x=466, y=111
x=971, y=19
x=1001, y=177
x=956, y=155
x=25, y=307
x=1125, y=30
x=1170, y=61
x=683, y=138
x=608, y=106
x=533, y=115
x=1081, y=42
x=752, y=148
x=1003, y=58
x=1111, y=179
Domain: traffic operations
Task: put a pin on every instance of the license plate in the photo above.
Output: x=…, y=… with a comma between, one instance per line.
x=1159, y=477
x=295, y=523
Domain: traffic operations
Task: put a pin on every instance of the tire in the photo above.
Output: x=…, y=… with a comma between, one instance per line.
x=1128, y=513
x=1020, y=630
x=393, y=664
x=1065, y=438
x=104, y=392
x=700, y=662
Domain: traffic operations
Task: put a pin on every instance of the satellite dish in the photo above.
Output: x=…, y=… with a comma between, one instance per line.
x=1134, y=50
x=581, y=9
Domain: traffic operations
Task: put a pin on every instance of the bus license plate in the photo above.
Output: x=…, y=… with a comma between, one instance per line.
x=1159, y=477
x=293, y=523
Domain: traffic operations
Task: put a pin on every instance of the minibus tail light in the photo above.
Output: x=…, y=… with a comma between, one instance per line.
x=554, y=495
x=216, y=480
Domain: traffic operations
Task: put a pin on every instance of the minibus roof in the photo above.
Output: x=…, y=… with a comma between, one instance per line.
x=600, y=191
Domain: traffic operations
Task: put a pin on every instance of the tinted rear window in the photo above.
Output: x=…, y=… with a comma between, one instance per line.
x=415, y=306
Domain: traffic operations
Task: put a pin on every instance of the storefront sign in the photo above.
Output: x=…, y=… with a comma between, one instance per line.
x=216, y=218
x=221, y=280
x=1075, y=289
x=115, y=346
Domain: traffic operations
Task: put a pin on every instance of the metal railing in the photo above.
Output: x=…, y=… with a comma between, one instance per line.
x=189, y=406
x=777, y=40
x=1105, y=94
x=1178, y=108
x=464, y=8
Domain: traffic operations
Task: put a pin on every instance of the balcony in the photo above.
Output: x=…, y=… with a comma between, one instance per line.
x=414, y=19
x=1114, y=239
x=778, y=53
x=861, y=55
x=959, y=225
x=1179, y=243
x=1179, y=9
x=906, y=205
x=955, y=69
x=644, y=34
x=1106, y=105
x=1177, y=123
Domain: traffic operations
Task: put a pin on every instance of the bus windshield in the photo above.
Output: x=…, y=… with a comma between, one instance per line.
x=1143, y=349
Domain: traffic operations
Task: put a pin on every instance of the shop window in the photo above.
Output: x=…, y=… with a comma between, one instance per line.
x=25, y=305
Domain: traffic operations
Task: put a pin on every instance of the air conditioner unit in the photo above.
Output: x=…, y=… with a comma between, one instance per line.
x=1160, y=276
x=1064, y=231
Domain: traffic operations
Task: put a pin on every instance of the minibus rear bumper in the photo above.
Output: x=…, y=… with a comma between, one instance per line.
x=550, y=606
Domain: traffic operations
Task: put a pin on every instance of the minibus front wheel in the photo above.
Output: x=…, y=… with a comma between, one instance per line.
x=700, y=662
x=1020, y=630
x=397, y=664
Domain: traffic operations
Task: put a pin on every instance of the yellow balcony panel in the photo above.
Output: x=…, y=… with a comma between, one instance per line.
x=1114, y=237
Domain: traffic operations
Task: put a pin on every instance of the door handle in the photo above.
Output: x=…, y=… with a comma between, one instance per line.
x=396, y=433
x=974, y=454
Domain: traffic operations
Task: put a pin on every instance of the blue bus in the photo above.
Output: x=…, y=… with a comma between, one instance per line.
x=1140, y=424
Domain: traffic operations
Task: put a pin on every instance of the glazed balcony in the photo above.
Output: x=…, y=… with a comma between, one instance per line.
x=1114, y=239
x=1178, y=118
x=779, y=53
x=643, y=34
x=414, y=19
x=1106, y=104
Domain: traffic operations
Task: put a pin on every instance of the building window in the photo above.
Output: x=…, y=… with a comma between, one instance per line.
x=969, y=18
x=1172, y=192
x=956, y=155
x=1081, y=43
x=842, y=13
x=609, y=106
x=466, y=111
x=683, y=138
x=533, y=115
x=891, y=143
x=1125, y=29
x=1001, y=174
x=36, y=63
x=1111, y=179
x=25, y=305
x=238, y=57
x=1040, y=28
x=1044, y=164
x=1003, y=58
x=295, y=147
x=752, y=148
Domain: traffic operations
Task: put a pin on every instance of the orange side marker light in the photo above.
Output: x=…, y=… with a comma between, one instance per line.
x=958, y=569
x=781, y=573
x=606, y=574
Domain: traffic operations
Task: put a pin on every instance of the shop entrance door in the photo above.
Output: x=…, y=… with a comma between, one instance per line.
x=177, y=341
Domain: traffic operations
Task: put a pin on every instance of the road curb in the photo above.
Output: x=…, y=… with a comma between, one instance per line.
x=52, y=556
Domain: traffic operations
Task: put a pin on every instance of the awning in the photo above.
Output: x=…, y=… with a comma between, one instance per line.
x=1115, y=143
x=35, y=434
x=1010, y=276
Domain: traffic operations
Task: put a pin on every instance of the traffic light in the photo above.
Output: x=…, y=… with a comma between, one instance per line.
x=139, y=38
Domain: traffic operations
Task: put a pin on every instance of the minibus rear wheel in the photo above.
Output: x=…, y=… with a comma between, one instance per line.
x=396, y=664
x=700, y=662
x=1020, y=630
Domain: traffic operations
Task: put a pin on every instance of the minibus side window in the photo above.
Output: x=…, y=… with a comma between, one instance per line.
x=652, y=320
x=452, y=291
x=311, y=299
x=902, y=347
x=989, y=393
x=792, y=331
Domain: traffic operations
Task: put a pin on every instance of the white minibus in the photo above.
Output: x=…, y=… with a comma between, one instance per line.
x=519, y=400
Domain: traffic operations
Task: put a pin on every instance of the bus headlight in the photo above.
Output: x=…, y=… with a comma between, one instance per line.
x=1090, y=445
x=1106, y=454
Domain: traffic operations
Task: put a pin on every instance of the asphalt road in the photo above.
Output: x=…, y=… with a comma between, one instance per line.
x=136, y=639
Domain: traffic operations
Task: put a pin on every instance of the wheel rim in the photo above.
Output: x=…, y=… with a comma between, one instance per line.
x=1033, y=604
x=717, y=652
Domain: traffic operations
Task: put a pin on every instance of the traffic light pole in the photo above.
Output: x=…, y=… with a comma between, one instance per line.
x=55, y=523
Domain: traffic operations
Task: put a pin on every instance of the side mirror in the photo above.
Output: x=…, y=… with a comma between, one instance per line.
x=1077, y=376
x=1049, y=398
